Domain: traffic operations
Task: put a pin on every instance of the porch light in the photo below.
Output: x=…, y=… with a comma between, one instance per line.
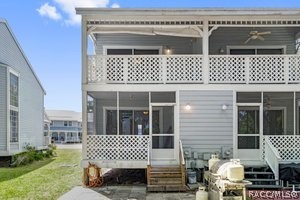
x=168, y=50
x=224, y=107
x=187, y=106
x=145, y=112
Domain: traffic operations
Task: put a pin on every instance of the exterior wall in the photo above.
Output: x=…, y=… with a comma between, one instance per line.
x=236, y=36
x=3, y=109
x=31, y=94
x=178, y=45
x=205, y=128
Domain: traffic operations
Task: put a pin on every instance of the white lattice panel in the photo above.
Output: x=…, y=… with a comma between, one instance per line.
x=145, y=69
x=114, y=69
x=113, y=147
x=184, y=69
x=294, y=69
x=288, y=146
x=96, y=69
x=227, y=69
x=266, y=69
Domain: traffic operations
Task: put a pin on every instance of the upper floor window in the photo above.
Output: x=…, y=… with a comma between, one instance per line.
x=256, y=50
x=65, y=123
x=14, y=90
x=133, y=51
x=70, y=123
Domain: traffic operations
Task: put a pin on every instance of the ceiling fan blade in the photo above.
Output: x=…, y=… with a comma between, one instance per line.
x=260, y=38
x=253, y=32
x=247, y=40
x=264, y=33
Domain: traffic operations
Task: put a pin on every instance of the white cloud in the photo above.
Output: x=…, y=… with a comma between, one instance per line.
x=49, y=11
x=115, y=5
x=68, y=6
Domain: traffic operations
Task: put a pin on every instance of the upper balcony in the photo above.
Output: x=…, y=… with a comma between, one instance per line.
x=192, y=46
x=165, y=69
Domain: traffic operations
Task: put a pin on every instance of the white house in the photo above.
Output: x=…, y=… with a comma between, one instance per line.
x=21, y=97
x=171, y=86
x=65, y=126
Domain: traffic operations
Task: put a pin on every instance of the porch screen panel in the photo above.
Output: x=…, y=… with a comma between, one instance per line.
x=298, y=112
x=278, y=113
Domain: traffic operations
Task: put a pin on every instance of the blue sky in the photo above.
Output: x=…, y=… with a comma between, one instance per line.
x=49, y=33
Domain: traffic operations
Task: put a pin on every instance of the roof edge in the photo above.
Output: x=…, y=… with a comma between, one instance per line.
x=22, y=52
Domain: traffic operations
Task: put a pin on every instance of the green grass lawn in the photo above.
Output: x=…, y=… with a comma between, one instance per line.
x=46, y=179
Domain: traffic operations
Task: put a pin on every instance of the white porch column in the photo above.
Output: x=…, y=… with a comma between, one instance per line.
x=205, y=51
x=84, y=81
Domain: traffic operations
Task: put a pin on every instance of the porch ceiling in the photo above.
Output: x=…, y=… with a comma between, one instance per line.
x=184, y=31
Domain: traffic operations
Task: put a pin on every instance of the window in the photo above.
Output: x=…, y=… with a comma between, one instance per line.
x=14, y=107
x=14, y=90
x=70, y=123
x=14, y=127
x=255, y=50
x=65, y=123
x=133, y=51
x=274, y=122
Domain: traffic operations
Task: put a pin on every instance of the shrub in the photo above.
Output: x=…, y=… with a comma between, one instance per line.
x=31, y=154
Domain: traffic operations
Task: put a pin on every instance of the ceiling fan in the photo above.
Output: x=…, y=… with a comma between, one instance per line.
x=253, y=35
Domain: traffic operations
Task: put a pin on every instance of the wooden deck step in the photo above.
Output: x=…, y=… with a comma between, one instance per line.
x=267, y=173
x=165, y=178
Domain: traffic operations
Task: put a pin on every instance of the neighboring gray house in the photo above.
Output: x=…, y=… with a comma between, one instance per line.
x=65, y=126
x=176, y=85
x=21, y=97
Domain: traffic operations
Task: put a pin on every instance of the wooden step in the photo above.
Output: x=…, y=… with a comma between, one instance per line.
x=165, y=169
x=165, y=174
x=164, y=188
x=165, y=181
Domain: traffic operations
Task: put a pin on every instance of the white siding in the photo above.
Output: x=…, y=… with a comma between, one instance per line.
x=206, y=127
x=31, y=94
x=3, y=109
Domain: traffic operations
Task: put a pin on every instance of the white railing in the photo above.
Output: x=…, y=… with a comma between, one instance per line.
x=145, y=69
x=254, y=69
x=288, y=146
x=162, y=69
x=272, y=157
x=181, y=152
x=117, y=147
x=149, y=153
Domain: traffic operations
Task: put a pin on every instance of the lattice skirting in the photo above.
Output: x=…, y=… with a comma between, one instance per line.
x=117, y=147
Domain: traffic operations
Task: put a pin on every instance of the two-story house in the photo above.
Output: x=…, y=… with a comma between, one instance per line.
x=65, y=126
x=21, y=97
x=171, y=86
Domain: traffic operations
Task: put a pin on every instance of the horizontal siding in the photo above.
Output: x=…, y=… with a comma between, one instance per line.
x=179, y=45
x=206, y=127
x=3, y=109
x=223, y=37
x=30, y=93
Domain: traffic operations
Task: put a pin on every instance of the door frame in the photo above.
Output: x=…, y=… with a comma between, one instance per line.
x=175, y=135
x=243, y=151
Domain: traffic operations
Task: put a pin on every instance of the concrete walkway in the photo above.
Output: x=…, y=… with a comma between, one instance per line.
x=123, y=193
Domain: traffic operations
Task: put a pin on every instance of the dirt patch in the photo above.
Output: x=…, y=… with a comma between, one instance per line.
x=125, y=177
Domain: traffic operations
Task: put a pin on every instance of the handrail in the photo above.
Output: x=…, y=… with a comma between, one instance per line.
x=149, y=154
x=272, y=157
x=181, y=156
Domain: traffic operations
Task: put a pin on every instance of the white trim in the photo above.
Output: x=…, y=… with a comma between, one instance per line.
x=255, y=47
x=132, y=47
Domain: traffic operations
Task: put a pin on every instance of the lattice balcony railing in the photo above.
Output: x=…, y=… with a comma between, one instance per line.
x=163, y=69
x=117, y=147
